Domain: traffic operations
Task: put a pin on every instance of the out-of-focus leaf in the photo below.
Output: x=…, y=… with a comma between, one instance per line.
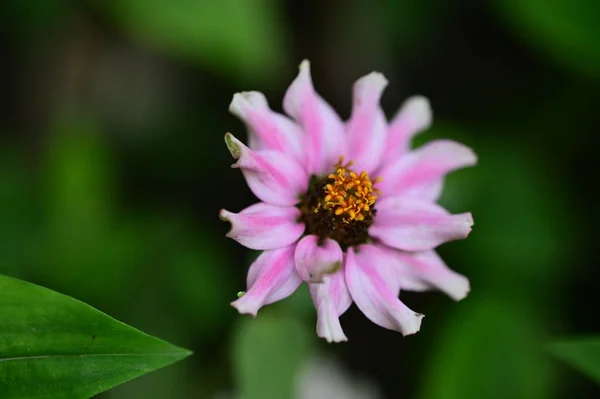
x=299, y=304
x=28, y=19
x=202, y=288
x=87, y=252
x=567, y=30
x=268, y=352
x=79, y=176
x=19, y=212
x=54, y=346
x=413, y=23
x=580, y=353
x=172, y=382
x=524, y=225
x=491, y=350
x=190, y=271
x=240, y=37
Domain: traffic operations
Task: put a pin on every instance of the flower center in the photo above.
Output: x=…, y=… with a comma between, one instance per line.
x=340, y=206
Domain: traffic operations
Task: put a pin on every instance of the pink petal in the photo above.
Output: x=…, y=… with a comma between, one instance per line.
x=367, y=127
x=323, y=139
x=386, y=265
x=272, y=176
x=414, y=116
x=419, y=173
x=316, y=259
x=264, y=226
x=268, y=130
x=428, y=268
x=374, y=297
x=414, y=225
x=271, y=278
x=331, y=299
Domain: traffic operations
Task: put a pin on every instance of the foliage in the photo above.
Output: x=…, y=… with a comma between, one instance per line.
x=54, y=346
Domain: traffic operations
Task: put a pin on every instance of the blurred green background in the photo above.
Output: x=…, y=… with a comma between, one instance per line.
x=113, y=171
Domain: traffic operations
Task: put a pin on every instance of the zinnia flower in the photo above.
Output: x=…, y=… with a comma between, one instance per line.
x=347, y=208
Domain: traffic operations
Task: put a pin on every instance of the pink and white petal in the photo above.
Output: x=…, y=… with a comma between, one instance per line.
x=414, y=116
x=268, y=130
x=331, y=299
x=420, y=173
x=414, y=225
x=315, y=259
x=264, y=226
x=271, y=278
x=430, y=269
x=323, y=138
x=367, y=128
x=272, y=176
x=385, y=265
x=374, y=297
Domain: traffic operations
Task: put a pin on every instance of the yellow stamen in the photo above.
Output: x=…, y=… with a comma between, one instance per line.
x=349, y=194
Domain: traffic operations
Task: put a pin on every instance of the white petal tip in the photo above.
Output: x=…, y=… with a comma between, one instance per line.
x=336, y=339
x=413, y=326
x=460, y=288
x=459, y=295
x=469, y=219
x=472, y=158
x=224, y=215
x=304, y=78
x=244, y=308
x=331, y=333
x=464, y=225
x=463, y=154
x=374, y=79
x=247, y=100
x=304, y=66
x=369, y=88
x=418, y=110
x=468, y=155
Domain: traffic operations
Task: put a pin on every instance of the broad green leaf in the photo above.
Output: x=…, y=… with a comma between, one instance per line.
x=239, y=37
x=268, y=353
x=566, y=30
x=53, y=346
x=490, y=350
x=580, y=353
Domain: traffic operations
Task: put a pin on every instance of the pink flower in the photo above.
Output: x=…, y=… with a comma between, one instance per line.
x=351, y=237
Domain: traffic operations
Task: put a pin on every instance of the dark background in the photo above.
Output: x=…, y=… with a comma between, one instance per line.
x=113, y=170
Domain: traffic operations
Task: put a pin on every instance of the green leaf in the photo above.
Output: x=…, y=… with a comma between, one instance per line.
x=566, y=30
x=239, y=37
x=268, y=353
x=54, y=346
x=580, y=353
